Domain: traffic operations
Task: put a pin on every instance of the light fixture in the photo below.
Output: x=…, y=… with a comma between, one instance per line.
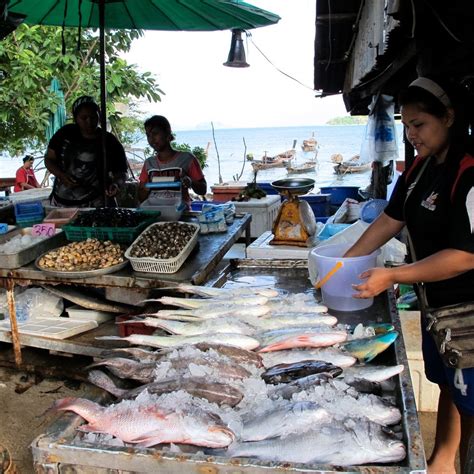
x=236, y=56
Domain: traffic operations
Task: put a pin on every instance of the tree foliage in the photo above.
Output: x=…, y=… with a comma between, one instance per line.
x=31, y=57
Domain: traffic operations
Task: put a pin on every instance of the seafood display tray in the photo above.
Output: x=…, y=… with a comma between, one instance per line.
x=80, y=274
x=60, y=449
x=29, y=254
x=156, y=265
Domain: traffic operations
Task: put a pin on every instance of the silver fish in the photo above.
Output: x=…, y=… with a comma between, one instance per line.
x=218, y=325
x=347, y=443
x=334, y=356
x=373, y=373
x=292, y=418
x=214, y=292
x=238, y=355
x=211, y=312
x=127, y=368
x=237, y=340
x=143, y=422
x=135, y=353
x=288, y=320
x=195, y=303
x=214, y=392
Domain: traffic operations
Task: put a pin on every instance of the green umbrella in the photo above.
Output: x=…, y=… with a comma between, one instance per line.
x=170, y=15
x=57, y=118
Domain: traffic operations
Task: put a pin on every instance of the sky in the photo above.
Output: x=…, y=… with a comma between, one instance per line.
x=200, y=90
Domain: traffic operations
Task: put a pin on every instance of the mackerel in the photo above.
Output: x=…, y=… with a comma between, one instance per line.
x=334, y=356
x=195, y=303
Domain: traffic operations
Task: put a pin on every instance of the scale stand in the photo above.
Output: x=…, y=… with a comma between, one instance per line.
x=295, y=223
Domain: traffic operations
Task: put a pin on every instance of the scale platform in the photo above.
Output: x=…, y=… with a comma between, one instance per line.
x=261, y=248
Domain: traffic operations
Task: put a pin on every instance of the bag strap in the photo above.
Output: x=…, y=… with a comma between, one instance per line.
x=421, y=286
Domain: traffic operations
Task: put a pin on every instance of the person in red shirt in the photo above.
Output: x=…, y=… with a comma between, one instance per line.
x=25, y=176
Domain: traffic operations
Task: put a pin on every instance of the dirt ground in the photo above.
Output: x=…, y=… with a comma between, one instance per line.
x=25, y=398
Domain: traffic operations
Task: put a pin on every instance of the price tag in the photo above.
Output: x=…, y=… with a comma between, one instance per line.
x=47, y=230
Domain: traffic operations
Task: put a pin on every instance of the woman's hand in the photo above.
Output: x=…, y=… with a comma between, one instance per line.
x=377, y=280
x=186, y=181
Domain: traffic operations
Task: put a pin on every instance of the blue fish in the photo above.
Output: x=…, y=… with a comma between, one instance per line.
x=367, y=348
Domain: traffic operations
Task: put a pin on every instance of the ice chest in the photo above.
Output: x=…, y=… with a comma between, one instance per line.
x=263, y=211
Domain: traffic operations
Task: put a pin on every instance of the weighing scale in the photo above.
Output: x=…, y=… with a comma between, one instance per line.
x=295, y=223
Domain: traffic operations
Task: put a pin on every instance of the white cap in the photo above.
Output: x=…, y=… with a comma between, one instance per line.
x=432, y=88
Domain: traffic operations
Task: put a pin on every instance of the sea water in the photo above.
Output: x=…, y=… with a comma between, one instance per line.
x=227, y=152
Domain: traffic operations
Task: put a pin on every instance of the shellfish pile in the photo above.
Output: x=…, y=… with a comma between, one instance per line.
x=163, y=241
x=90, y=254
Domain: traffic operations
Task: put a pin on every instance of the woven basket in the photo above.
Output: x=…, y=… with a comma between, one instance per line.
x=169, y=265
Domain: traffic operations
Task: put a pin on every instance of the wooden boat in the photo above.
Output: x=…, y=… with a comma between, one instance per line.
x=305, y=167
x=348, y=167
x=309, y=144
x=277, y=161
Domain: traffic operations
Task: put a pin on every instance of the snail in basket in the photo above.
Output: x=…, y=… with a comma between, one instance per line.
x=91, y=254
x=163, y=241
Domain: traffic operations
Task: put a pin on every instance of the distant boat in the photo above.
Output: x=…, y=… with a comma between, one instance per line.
x=307, y=166
x=309, y=144
x=350, y=166
x=277, y=161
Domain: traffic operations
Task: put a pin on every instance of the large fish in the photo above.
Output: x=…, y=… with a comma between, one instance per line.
x=218, y=325
x=366, y=349
x=127, y=368
x=135, y=353
x=237, y=340
x=214, y=292
x=294, y=417
x=236, y=354
x=143, y=422
x=372, y=373
x=284, y=373
x=334, y=356
x=214, y=392
x=195, y=303
x=347, y=443
x=288, y=320
x=213, y=312
x=303, y=339
x=286, y=391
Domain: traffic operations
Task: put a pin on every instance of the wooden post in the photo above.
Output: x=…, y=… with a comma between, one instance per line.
x=13, y=322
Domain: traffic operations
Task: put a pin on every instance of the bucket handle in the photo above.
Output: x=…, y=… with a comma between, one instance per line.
x=328, y=275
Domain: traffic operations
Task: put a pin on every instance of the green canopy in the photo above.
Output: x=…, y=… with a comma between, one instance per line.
x=171, y=15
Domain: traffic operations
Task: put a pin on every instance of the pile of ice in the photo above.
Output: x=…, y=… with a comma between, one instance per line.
x=20, y=242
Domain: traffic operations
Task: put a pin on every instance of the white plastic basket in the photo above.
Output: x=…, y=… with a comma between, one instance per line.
x=169, y=265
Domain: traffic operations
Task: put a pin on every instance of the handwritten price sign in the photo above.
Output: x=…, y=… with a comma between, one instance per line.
x=47, y=230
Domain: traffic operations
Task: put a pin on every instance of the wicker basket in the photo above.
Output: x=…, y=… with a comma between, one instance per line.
x=169, y=265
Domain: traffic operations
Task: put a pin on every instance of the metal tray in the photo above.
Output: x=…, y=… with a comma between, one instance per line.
x=80, y=274
x=59, y=450
x=27, y=255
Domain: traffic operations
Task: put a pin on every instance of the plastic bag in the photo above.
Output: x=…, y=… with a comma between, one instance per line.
x=212, y=221
x=228, y=208
x=380, y=141
x=32, y=303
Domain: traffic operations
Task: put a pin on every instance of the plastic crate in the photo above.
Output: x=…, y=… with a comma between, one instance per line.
x=123, y=235
x=319, y=203
x=29, y=210
x=340, y=193
x=29, y=221
x=169, y=265
x=62, y=216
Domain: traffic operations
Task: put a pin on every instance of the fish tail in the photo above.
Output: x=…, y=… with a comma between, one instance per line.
x=103, y=381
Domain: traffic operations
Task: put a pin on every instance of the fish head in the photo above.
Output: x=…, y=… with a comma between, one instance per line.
x=210, y=430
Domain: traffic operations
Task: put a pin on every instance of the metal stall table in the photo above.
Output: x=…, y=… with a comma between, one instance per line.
x=207, y=255
x=60, y=449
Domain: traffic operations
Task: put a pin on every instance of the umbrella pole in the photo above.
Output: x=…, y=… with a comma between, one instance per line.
x=103, y=92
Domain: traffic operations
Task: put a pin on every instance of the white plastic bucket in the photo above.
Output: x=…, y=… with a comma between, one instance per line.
x=337, y=291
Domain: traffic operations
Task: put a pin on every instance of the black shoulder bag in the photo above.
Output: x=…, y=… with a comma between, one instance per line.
x=452, y=327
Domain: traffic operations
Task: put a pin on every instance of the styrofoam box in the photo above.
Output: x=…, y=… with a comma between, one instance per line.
x=261, y=248
x=264, y=212
x=83, y=314
x=426, y=393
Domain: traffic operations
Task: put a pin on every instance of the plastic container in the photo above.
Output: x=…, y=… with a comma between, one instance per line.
x=225, y=192
x=28, y=209
x=60, y=217
x=337, y=291
x=264, y=211
x=319, y=203
x=340, y=193
x=156, y=265
x=372, y=209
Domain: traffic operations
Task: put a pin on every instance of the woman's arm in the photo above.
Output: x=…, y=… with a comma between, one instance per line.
x=199, y=186
x=442, y=265
x=377, y=234
x=142, y=192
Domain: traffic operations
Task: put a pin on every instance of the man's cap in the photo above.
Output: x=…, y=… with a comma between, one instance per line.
x=28, y=158
x=84, y=100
